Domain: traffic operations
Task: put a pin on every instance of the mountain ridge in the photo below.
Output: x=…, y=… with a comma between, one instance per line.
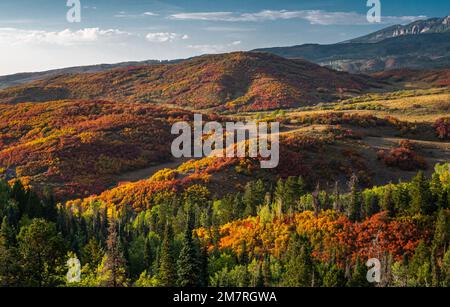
x=432, y=25
x=246, y=81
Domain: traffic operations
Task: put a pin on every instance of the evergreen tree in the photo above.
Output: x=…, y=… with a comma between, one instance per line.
x=167, y=273
x=437, y=191
x=9, y=266
x=292, y=192
x=238, y=205
x=387, y=202
x=299, y=264
x=421, y=201
x=359, y=275
x=19, y=194
x=333, y=277
x=188, y=263
x=41, y=252
x=371, y=204
x=441, y=240
x=280, y=194
x=445, y=270
x=92, y=254
x=113, y=269
x=204, y=273
x=249, y=200
x=401, y=198
x=355, y=207
x=419, y=270
x=266, y=272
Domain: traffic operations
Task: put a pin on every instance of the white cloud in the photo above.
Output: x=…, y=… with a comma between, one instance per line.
x=216, y=48
x=67, y=37
x=229, y=29
x=124, y=14
x=165, y=37
x=150, y=14
x=317, y=17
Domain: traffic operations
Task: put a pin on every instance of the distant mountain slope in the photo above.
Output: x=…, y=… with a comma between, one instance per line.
x=423, y=44
x=433, y=25
x=22, y=78
x=412, y=51
x=430, y=77
x=234, y=81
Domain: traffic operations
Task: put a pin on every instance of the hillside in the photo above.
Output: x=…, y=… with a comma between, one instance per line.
x=225, y=82
x=439, y=77
x=81, y=147
x=26, y=77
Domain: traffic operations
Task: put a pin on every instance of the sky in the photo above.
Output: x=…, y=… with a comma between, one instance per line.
x=35, y=35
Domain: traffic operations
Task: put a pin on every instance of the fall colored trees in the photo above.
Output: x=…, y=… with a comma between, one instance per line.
x=270, y=235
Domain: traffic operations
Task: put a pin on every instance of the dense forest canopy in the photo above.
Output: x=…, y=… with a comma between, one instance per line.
x=285, y=233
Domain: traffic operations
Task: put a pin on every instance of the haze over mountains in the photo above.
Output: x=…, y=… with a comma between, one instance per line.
x=420, y=45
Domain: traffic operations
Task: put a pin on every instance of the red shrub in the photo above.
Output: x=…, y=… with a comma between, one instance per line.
x=404, y=157
x=442, y=128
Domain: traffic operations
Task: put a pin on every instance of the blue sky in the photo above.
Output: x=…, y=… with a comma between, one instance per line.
x=35, y=35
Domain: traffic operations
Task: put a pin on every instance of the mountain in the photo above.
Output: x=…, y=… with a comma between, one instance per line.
x=26, y=77
x=433, y=25
x=387, y=49
x=235, y=81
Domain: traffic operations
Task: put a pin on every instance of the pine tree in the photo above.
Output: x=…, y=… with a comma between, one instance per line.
x=259, y=277
x=333, y=277
x=188, y=263
x=113, y=269
x=441, y=240
x=41, y=250
x=371, y=206
x=419, y=270
x=421, y=201
x=238, y=205
x=266, y=272
x=387, y=202
x=18, y=193
x=445, y=270
x=299, y=266
x=280, y=194
x=9, y=266
x=292, y=193
x=250, y=200
x=92, y=254
x=355, y=207
x=359, y=275
x=167, y=273
x=336, y=198
x=204, y=275
x=401, y=198
x=437, y=191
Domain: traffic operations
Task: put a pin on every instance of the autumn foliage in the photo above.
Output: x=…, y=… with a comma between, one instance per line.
x=235, y=81
x=404, y=157
x=332, y=235
x=78, y=147
x=442, y=128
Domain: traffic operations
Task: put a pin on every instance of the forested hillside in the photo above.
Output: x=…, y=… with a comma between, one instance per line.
x=234, y=81
x=268, y=235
